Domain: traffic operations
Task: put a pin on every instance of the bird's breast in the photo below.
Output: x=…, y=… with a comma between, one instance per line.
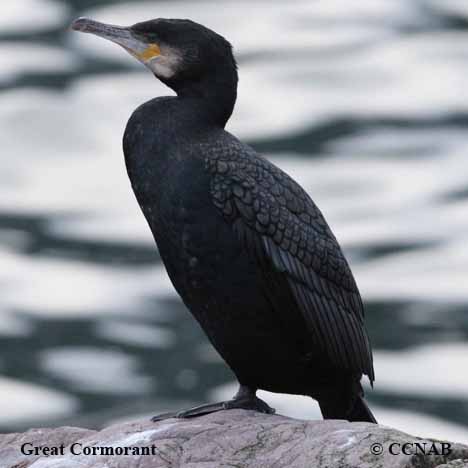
x=190, y=232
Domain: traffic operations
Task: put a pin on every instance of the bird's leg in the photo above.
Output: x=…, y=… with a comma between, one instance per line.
x=245, y=398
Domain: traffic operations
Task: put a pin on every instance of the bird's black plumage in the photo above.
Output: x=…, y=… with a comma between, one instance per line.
x=246, y=248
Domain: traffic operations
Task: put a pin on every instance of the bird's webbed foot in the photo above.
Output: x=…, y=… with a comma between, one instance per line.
x=191, y=413
x=244, y=399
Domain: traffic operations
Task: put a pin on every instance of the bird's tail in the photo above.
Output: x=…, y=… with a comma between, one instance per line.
x=359, y=410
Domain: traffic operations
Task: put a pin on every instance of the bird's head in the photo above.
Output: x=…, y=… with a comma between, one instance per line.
x=181, y=53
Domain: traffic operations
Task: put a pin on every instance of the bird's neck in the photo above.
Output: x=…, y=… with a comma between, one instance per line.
x=213, y=98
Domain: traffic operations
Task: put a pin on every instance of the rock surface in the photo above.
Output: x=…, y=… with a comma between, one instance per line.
x=234, y=439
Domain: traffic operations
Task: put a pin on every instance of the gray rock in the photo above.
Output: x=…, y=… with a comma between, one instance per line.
x=234, y=439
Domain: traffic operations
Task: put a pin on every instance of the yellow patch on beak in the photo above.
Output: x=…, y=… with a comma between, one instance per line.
x=150, y=52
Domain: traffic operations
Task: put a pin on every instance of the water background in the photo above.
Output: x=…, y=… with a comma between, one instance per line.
x=366, y=106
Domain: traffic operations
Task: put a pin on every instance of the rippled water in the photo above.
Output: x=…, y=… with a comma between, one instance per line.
x=366, y=106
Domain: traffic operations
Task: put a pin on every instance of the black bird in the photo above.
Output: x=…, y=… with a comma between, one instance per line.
x=244, y=245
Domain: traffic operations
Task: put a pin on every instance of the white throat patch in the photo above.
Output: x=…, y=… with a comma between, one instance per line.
x=165, y=65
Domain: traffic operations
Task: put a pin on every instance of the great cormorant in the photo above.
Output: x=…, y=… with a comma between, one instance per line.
x=246, y=248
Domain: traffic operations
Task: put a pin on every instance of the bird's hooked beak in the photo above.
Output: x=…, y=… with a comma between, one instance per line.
x=143, y=51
